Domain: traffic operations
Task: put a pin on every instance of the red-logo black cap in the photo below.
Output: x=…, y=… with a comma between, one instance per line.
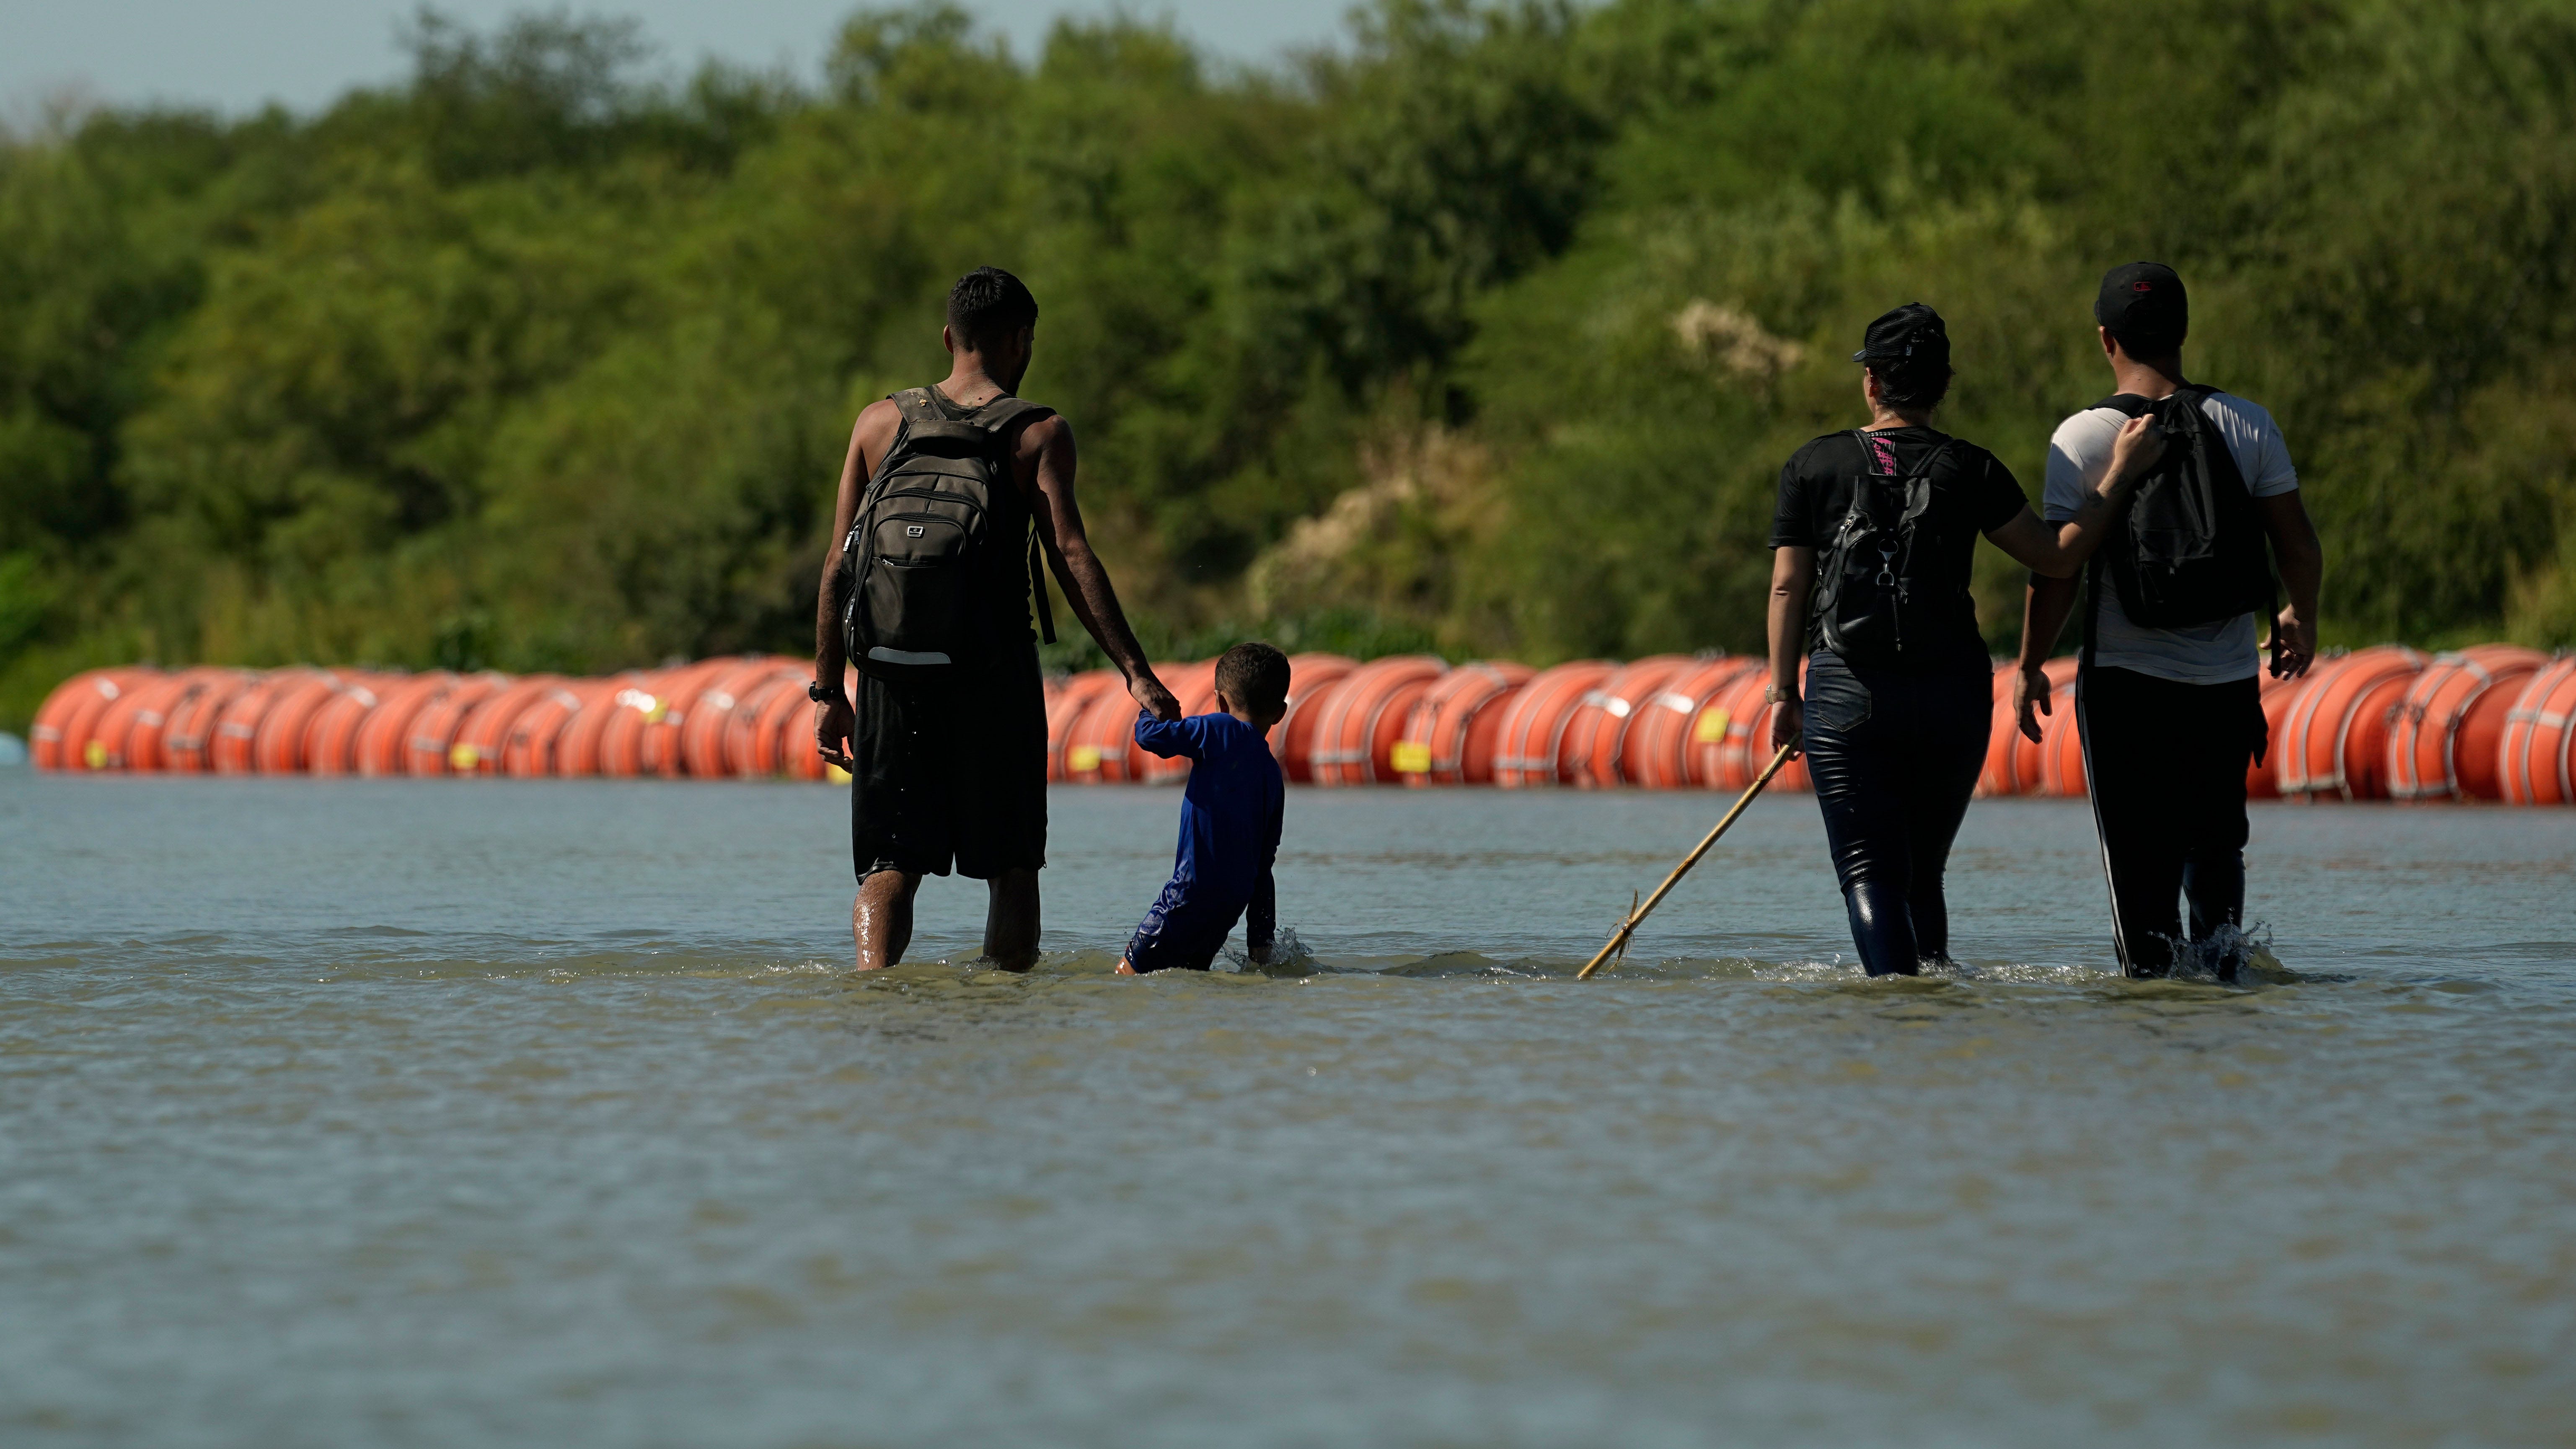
x=2144, y=302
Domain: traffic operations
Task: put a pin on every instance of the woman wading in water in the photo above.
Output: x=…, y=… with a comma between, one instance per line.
x=1873, y=543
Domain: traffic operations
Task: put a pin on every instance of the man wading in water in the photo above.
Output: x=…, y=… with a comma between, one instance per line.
x=947, y=498
x=2168, y=698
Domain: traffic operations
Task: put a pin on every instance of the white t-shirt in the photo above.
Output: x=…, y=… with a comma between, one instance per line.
x=2080, y=454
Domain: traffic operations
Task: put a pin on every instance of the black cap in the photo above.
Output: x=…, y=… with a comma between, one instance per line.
x=2144, y=302
x=1912, y=332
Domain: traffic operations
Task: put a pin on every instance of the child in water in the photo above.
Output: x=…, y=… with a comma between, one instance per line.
x=1230, y=816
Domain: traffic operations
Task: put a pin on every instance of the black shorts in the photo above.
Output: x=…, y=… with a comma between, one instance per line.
x=951, y=775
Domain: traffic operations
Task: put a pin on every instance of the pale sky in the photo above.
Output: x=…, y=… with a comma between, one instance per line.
x=237, y=54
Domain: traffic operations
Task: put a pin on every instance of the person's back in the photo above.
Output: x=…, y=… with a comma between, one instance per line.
x=2168, y=692
x=1231, y=814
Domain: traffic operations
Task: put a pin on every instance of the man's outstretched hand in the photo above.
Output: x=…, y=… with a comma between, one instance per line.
x=833, y=720
x=1152, y=697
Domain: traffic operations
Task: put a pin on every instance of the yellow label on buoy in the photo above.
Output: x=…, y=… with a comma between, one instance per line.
x=1082, y=759
x=1411, y=757
x=1711, y=727
x=464, y=758
x=836, y=774
x=95, y=754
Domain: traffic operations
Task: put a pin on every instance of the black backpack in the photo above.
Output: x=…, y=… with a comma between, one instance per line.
x=2191, y=550
x=1871, y=591
x=919, y=572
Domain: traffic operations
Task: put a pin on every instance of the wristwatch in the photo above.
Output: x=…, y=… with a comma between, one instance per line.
x=1776, y=695
x=822, y=693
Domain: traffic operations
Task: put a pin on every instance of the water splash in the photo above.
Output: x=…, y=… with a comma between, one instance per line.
x=2232, y=956
x=1289, y=957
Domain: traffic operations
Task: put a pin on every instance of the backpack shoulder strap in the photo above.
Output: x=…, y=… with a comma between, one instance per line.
x=918, y=405
x=2127, y=404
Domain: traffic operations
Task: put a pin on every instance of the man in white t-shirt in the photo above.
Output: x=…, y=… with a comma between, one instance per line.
x=2171, y=716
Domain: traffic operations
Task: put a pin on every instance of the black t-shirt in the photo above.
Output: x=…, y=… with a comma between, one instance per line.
x=1972, y=493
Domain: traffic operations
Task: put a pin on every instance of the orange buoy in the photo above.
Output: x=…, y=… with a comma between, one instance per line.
x=233, y=748
x=1066, y=700
x=277, y=748
x=1663, y=734
x=75, y=745
x=2427, y=744
x=382, y=742
x=187, y=741
x=2536, y=754
x=1292, y=740
x=429, y=745
x=632, y=711
x=482, y=742
x=1360, y=720
x=134, y=716
x=529, y=750
x=709, y=717
x=331, y=736
x=45, y=735
x=658, y=747
x=1194, y=685
x=750, y=744
x=1450, y=738
x=1533, y=724
x=1595, y=733
x=2335, y=739
x=577, y=747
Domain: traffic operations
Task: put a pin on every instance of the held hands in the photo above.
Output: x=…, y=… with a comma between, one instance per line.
x=1789, y=725
x=2030, y=699
x=2140, y=444
x=833, y=720
x=2294, y=644
x=1152, y=697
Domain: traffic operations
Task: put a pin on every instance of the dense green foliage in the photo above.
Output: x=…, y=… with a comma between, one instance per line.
x=1487, y=332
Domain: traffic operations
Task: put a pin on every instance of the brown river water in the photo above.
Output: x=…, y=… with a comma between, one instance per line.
x=466, y=1113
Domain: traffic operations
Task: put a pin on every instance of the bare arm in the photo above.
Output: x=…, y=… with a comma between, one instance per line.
x=2302, y=561
x=2058, y=550
x=2044, y=612
x=869, y=438
x=1046, y=448
x=1793, y=576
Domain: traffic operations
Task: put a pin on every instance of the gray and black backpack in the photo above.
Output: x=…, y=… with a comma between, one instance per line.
x=932, y=553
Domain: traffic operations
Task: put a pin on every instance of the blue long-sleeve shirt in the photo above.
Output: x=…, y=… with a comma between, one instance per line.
x=1230, y=814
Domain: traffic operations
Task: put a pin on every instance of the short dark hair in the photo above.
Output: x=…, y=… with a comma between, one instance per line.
x=1253, y=676
x=988, y=305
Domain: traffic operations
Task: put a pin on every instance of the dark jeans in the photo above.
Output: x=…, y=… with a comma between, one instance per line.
x=1895, y=758
x=2166, y=763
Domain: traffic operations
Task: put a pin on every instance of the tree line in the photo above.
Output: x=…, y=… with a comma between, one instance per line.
x=1485, y=331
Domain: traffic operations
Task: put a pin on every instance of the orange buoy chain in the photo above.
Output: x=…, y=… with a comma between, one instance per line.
x=2489, y=722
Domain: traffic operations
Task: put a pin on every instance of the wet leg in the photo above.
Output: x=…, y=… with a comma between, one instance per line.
x=881, y=918
x=1882, y=927
x=1011, y=920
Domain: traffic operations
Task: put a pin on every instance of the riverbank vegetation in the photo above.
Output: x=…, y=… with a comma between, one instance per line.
x=1486, y=332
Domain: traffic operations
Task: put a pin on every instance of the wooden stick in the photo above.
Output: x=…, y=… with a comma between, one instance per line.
x=1619, y=939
